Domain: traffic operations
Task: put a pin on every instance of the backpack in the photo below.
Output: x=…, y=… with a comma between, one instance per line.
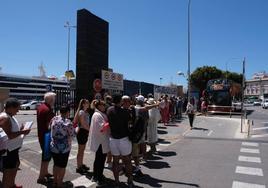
x=136, y=127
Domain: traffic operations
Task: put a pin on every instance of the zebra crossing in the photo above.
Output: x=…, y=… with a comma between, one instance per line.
x=246, y=151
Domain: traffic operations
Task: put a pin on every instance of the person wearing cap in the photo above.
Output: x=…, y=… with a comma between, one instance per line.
x=120, y=144
x=141, y=111
x=154, y=117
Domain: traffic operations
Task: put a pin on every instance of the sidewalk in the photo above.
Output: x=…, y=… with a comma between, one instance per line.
x=168, y=135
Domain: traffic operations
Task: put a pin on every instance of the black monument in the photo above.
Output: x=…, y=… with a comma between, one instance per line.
x=91, y=52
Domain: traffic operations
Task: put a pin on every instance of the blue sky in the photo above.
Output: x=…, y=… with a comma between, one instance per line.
x=147, y=39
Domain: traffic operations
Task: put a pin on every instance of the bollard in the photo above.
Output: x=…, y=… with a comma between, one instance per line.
x=248, y=122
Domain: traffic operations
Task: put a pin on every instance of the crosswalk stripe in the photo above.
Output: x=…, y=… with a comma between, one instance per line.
x=237, y=184
x=249, y=159
x=248, y=150
x=259, y=128
x=250, y=144
x=259, y=136
x=249, y=171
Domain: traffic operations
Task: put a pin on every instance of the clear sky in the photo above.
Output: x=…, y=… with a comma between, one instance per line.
x=147, y=39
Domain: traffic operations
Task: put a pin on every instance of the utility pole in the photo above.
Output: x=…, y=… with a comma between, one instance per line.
x=189, y=51
x=242, y=102
x=68, y=26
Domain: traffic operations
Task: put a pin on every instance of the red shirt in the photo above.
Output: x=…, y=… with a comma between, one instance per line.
x=44, y=116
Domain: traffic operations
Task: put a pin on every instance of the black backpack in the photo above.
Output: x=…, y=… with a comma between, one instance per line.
x=136, y=127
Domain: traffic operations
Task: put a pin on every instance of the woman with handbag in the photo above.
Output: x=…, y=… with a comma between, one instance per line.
x=62, y=131
x=99, y=140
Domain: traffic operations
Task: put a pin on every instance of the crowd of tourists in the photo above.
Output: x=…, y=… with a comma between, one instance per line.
x=117, y=129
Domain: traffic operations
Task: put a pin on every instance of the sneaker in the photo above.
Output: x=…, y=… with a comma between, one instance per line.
x=130, y=184
x=81, y=170
x=94, y=179
x=109, y=165
x=43, y=180
x=85, y=167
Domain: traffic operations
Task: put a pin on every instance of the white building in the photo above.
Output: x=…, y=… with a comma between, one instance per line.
x=257, y=86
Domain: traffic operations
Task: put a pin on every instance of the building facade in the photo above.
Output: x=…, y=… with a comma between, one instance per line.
x=256, y=88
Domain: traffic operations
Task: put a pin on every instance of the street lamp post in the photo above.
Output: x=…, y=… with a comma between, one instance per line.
x=189, y=51
x=68, y=26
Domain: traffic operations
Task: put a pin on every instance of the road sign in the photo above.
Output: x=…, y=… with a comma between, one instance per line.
x=112, y=81
x=97, y=85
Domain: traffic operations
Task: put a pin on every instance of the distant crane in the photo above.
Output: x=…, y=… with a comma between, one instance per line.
x=42, y=70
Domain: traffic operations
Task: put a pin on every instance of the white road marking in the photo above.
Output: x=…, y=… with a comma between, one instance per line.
x=29, y=142
x=259, y=136
x=84, y=182
x=259, y=128
x=247, y=150
x=250, y=144
x=249, y=171
x=237, y=184
x=210, y=132
x=249, y=159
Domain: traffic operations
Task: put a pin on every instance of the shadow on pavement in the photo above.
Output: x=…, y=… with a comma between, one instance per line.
x=153, y=182
x=162, y=127
x=249, y=112
x=163, y=141
x=200, y=128
x=154, y=158
x=156, y=164
x=66, y=184
x=161, y=132
x=166, y=153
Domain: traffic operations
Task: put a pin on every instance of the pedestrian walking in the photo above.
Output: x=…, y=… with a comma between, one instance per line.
x=99, y=141
x=120, y=145
x=191, y=113
x=44, y=116
x=82, y=118
x=14, y=132
x=62, y=131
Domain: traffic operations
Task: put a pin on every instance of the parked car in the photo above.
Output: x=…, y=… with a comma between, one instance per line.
x=265, y=103
x=30, y=106
x=257, y=102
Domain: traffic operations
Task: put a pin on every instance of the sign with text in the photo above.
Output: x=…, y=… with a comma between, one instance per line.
x=111, y=80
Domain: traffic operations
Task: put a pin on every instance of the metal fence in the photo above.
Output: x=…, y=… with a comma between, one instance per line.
x=65, y=97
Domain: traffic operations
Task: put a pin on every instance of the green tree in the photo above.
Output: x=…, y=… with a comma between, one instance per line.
x=235, y=77
x=202, y=75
